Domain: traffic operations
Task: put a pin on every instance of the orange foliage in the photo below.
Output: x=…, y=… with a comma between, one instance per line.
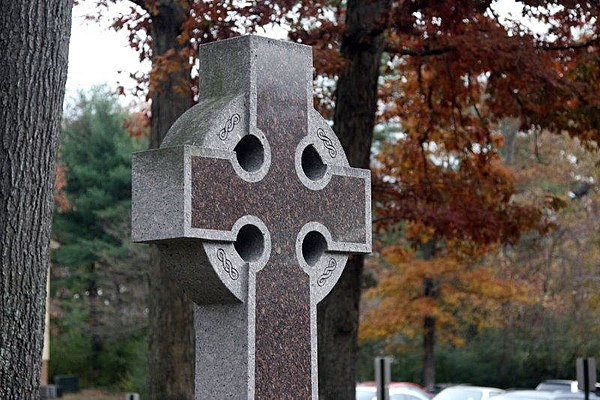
x=466, y=295
x=60, y=197
x=454, y=72
x=138, y=123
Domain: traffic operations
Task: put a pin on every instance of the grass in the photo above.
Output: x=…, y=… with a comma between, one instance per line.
x=94, y=394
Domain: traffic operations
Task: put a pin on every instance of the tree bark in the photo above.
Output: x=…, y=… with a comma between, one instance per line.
x=363, y=43
x=33, y=73
x=429, y=352
x=430, y=289
x=171, y=337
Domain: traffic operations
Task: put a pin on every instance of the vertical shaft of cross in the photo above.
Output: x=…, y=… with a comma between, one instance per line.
x=276, y=80
x=283, y=316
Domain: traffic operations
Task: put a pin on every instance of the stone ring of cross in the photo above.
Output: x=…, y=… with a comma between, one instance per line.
x=255, y=211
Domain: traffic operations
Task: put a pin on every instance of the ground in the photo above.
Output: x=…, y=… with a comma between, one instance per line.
x=94, y=394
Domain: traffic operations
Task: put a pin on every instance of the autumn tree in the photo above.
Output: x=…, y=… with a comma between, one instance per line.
x=432, y=285
x=444, y=175
x=33, y=71
x=527, y=342
x=563, y=266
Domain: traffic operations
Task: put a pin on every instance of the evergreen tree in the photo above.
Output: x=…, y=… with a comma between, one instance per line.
x=102, y=280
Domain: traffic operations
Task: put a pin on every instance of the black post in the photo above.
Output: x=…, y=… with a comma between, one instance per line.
x=383, y=375
x=586, y=378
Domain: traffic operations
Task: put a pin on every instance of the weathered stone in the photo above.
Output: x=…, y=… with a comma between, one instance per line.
x=255, y=210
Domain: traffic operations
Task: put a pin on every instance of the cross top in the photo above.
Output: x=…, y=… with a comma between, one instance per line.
x=255, y=211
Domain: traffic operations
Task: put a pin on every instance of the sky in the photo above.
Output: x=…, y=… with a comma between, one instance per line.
x=99, y=55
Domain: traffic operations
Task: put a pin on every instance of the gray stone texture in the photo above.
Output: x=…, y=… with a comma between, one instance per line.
x=255, y=211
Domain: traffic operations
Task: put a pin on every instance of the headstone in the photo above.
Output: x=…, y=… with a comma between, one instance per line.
x=48, y=392
x=68, y=383
x=255, y=211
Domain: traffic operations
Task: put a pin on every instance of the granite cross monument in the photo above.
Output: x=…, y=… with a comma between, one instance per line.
x=255, y=211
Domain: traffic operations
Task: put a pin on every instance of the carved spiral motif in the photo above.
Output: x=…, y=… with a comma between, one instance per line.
x=229, y=125
x=227, y=265
x=327, y=272
x=327, y=142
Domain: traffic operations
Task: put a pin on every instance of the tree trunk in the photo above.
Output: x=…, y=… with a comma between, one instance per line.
x=354, y=119
x=171, y=338
x=33, y=72
x=430, y=289
x=509, y=128
x=428, y=352
x=94, y=324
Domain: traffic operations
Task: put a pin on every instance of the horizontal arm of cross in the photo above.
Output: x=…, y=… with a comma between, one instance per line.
x=220, y=198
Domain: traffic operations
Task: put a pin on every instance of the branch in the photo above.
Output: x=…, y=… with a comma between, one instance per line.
x=447, y=49
x=571, y=46
x=419, y=53
x=376, y=220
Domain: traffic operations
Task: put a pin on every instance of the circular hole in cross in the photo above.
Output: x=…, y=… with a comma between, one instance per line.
x=313, y=246
x=312, y=163
x=250, y=153
x=250, y=243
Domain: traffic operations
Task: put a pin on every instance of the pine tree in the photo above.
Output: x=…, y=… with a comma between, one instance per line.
x=103, y=272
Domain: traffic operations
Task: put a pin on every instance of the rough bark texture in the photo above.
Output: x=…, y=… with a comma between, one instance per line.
x=171, y=340
x=34, y=43
x=356, y=103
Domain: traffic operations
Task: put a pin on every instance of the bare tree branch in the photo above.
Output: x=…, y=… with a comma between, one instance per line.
x=572, y=46
x=447, y=49
x=419, y=53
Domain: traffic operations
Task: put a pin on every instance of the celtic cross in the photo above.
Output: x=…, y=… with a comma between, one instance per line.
x=255, y=211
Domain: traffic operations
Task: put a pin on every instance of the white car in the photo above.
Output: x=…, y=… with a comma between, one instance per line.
x=464, y=392
x=561, y=385
x=398, y=391
x=543, y=395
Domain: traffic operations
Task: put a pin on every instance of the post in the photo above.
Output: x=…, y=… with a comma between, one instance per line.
x=46, y=348
x=586, y=375
x=383, y=377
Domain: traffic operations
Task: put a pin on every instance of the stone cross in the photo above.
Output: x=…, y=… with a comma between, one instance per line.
x=255, y=211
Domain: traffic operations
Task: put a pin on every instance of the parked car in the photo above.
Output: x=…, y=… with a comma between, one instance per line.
x=558, y=385
x=465, y=392
x=561, y=385
x=543, y=395
x=398, y=391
